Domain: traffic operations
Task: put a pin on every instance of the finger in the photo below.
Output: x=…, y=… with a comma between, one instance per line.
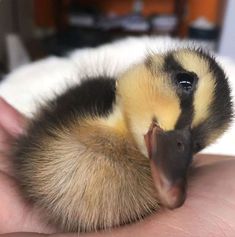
x=5, y=144
x=5, y=140
x=10, y=119
x=206, y=159
x=6, y=165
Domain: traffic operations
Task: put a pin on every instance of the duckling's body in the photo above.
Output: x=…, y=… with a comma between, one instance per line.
x=86, y=174
x=84, y=160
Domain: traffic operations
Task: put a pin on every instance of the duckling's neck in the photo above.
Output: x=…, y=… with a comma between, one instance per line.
x=119, y=124
x=116, y=121
x=109, y=136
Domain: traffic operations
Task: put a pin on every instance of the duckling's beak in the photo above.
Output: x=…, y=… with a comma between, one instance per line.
x=170, y=156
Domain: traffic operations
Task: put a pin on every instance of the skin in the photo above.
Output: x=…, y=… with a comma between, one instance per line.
x=208, y=210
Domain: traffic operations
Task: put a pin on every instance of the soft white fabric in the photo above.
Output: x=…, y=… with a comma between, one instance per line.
x=39, y=81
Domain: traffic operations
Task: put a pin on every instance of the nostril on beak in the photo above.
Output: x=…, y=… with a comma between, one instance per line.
x=180, y=146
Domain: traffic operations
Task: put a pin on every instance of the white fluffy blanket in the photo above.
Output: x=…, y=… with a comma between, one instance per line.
x=41, y=80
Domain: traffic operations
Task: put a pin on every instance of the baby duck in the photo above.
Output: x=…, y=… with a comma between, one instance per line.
x=111, y=150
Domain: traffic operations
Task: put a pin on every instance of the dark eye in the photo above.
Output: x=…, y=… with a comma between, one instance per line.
x=186, y=80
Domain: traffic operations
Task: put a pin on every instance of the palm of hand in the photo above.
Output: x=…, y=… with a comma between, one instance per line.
x=208, y=210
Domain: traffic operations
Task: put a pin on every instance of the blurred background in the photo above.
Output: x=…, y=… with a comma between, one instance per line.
x=33, y=29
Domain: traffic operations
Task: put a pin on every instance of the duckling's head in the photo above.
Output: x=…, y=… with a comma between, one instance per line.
x=174, y=105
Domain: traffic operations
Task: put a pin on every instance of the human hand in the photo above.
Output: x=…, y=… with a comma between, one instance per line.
x=15, y=213
x=209, y=209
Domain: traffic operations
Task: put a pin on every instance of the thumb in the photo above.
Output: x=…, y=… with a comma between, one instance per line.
x=11, y=120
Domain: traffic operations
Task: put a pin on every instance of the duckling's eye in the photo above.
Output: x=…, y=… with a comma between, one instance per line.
x=186, y=80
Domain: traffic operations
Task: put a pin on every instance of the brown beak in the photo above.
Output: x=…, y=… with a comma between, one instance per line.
x=170, y=156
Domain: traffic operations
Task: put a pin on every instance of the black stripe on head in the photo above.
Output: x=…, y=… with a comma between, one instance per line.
x=187, y=112
x=174, y=68
x=171, y=65
x=221, y=108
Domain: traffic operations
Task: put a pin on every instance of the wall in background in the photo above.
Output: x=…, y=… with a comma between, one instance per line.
x=210, y=9
x=45, y=10
x=227, y=42
x=6, y=27
x=124, y=7
x=16, y=16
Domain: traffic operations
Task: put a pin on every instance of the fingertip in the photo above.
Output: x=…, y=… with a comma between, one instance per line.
x=11, y=119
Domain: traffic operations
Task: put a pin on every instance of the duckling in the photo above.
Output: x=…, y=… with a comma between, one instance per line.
x=111, y=151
